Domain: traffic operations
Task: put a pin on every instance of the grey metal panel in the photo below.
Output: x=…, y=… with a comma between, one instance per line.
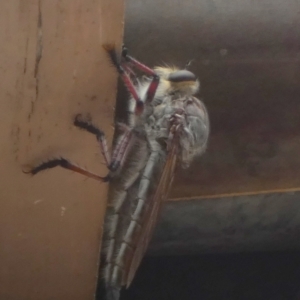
x=233, y=224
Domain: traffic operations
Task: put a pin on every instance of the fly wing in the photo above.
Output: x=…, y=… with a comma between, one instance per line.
x=151, y=217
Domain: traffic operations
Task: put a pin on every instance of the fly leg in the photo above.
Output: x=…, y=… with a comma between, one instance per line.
x=64, y=163
x=78, y=122
x=113, y=164
x=126, y=77
x=176, y=124
x=119, y=151
x=136, y=63
x=155, y=78
x=130, y=72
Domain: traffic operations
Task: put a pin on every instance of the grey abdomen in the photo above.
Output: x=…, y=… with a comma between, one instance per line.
x=128, y=201
x=112, y=293
x=132, y=189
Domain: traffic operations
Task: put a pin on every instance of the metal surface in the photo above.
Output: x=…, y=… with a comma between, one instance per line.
x=247, y=57
x=264, y=222
x=247, y=276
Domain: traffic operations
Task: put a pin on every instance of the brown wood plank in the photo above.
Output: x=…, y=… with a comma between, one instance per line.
x=52, y=66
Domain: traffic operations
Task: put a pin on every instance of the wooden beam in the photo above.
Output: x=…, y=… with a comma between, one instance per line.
x=52, y=66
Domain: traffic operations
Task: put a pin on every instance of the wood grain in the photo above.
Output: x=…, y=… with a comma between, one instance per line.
x=52, y=66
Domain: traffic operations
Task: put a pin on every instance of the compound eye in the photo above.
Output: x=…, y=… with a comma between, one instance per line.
x=182, y=75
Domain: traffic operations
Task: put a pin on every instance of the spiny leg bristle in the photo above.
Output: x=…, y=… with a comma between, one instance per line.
x=87, y=125
x=47, y=165
x=111, y=50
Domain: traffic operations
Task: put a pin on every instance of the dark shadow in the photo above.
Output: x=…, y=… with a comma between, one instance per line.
x=253, y=276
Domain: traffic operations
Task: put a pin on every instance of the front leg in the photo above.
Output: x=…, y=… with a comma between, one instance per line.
x=89, y=127
x=125, y=77
x=120, y=149
x=114, y=164
x=64, y=163
x=150, y=94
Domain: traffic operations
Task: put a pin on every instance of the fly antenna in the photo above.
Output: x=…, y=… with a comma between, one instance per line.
x=188, y=64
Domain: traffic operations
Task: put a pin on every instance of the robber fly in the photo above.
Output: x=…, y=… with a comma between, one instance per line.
x=167, y=127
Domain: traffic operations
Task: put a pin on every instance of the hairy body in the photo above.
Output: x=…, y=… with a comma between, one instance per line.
x=133, y=190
